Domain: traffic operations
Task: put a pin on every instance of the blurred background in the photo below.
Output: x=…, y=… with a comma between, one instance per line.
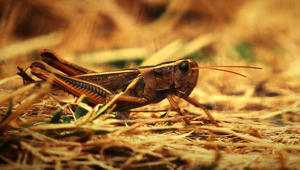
x=108, y=35
x=101, y=34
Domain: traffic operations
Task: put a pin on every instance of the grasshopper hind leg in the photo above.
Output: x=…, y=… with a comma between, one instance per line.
x=65, y=66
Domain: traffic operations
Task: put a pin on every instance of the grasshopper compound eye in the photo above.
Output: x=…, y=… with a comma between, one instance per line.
x=184, y=66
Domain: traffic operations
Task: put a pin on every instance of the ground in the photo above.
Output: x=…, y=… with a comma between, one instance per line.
x=258, y=115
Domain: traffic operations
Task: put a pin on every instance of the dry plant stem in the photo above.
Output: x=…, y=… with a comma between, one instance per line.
x=35, y=152
x=41, y=137
x=145, y=121
x=140, y=156
x=90, y=117
x=167, y=113
x=259, y=145
x=291, y=108
x=211, y=129
x=9, y=161
x=175, y=107
x=72, y=127
x=91, y=113
x=166, y=161
x=229, y=131
x=194, y=45
x=3, y=81
x=32, y=98
x=32, y=44
x=76, y=146
x=127, y=130
x=16, y=93
x=58, y=164
x=199, y=105
x=163, y=54
x=99, y=163
x=282, y=161
x=136, y=129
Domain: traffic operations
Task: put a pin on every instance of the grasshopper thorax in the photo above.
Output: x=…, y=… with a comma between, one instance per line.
x=176, y=76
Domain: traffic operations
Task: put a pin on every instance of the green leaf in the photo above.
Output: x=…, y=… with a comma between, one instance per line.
x=167, y=123
x=246, y=51
x=57, y=116
x=79, y=112
x=66, y=120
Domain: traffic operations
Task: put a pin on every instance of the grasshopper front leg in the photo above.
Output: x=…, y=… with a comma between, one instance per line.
x=175, y=107
x=193, y=102
x=199, y=105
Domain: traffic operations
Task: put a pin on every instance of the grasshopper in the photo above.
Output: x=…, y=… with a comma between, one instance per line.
x=141, y=85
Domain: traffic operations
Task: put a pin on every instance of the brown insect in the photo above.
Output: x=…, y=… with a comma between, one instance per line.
x=141, y=86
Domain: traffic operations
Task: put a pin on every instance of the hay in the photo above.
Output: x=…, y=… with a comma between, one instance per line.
x=259, y=115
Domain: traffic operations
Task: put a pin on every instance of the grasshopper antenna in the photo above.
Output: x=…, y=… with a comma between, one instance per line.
x=229, y=71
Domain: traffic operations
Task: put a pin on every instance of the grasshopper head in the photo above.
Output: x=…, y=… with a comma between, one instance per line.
x=185, y=78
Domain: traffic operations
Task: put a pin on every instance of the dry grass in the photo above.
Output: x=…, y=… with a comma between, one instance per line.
x=259, y=115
